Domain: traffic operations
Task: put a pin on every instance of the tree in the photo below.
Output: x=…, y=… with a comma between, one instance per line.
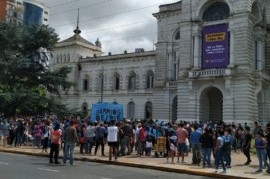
x=25, y=77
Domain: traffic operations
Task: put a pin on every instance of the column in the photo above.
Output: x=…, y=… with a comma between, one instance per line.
x=169, y=70
x=196, y=47
x=259, y=53
x=231, y=49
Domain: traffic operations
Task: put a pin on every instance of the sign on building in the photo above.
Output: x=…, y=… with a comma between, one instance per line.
x=106, y=112
x=215, y=46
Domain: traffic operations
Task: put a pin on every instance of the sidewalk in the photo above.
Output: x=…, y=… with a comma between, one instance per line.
x=238, y=170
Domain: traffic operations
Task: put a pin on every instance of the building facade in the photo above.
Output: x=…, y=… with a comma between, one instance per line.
x=212, y=62
x=24, y=12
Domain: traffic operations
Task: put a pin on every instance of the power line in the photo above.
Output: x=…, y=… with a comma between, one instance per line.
x=83, y=7
x=62, y=4
x=115, y=27
x=109, y=15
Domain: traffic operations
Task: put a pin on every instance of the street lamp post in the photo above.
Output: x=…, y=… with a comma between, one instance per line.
x=102, y=85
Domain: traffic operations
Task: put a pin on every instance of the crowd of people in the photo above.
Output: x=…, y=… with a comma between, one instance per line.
x=207, y=140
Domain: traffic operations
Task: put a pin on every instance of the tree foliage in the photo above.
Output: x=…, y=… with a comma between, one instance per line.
x=25, y=77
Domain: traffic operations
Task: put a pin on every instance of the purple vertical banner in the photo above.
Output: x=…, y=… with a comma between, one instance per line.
x=215, y=52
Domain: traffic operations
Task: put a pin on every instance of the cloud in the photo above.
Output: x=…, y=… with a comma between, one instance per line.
x=120, y=24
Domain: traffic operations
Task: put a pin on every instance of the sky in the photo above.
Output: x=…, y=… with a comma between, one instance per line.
x=119, y=24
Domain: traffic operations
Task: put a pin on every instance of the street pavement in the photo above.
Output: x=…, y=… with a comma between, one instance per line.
x=238, y=170
x=14, y=166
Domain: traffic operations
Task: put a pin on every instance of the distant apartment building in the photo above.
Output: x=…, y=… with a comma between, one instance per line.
x=24, y=12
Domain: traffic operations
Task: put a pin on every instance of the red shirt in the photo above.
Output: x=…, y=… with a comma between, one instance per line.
x=56, y=136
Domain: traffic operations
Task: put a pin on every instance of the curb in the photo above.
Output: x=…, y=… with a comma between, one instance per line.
x=128, y=164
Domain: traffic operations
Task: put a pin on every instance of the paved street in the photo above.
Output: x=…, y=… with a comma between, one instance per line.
x=13, y=166
x=238, y=169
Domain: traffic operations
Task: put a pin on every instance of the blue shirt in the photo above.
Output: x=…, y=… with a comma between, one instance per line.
x=101, y=131
x=195, y=137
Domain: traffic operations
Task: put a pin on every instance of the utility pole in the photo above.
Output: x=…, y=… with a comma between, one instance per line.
x=102, y=85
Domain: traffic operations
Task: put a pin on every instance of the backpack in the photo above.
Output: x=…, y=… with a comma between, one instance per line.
x=142, y=135
x=226, y=143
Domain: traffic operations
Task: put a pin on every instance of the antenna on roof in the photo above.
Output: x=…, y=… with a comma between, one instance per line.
x=77, y=30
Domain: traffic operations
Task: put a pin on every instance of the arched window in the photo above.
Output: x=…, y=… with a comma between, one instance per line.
x=148, y=110
x=85, y=82
x=57, y=59
x=131, y=110
x=150, y=79
x=84, y=107
x=132, y=81
x=216, y=11
x=177, y=35
x=116, y=81
x=68, y=57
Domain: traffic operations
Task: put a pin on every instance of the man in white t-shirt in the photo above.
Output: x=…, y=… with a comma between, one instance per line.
x=112, y=139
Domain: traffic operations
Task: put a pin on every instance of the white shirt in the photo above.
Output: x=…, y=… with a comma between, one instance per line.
x=112, y=134
x=149, y=144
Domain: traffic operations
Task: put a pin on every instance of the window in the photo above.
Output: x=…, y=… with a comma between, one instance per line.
x=148, y=110
x=84, y=107
x=150, y=80
x=68, y=57
x=116, y=81
x=132, y=81
x=177, y=35
x=131, y=110
x=216, y=11
x=85, y=83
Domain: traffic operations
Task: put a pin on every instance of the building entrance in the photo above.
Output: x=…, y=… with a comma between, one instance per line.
x=211, y=105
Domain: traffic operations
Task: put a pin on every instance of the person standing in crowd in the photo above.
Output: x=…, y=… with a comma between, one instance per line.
x=12, y=133
x=4, y=132
x=195, y=137
x=268, y=141
x=1, y=133
x=172, y=140
x=82, y=138
x=112, y=139
x=182, y=136
x=261, y=145
x=46, y=133
x=90, y=135
x=56, y=134
x=20, y=129
x=101, y=133
x=148, y=146
x=219, y=152
x=227, y=147
x=247, y=145
x=141, y=139
x=38, y=133
x=127, y=134
x=70, y=137
x=257, y=128
x=207, y=145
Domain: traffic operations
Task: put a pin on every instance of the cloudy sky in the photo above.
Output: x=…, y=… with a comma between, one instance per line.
x=119, y=24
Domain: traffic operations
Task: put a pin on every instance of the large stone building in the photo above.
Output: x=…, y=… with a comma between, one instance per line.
x=212, y=62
